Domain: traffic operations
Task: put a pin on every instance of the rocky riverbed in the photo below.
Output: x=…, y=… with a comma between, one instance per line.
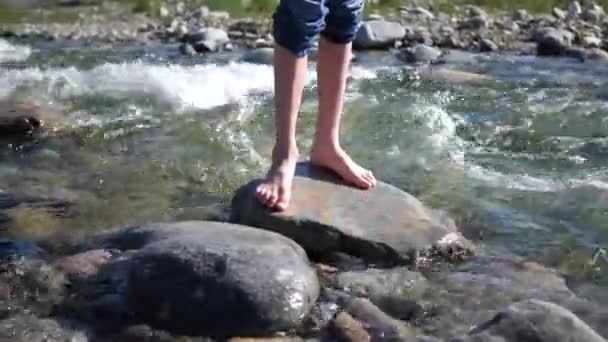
x=338, y=266
x=126, y=177
x=419, y=34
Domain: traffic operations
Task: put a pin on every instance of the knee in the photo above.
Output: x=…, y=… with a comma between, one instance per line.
x=297, y=22
x=344, y=21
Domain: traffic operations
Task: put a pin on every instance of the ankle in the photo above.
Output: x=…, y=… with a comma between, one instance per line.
x=325, y=145
x=283, y=152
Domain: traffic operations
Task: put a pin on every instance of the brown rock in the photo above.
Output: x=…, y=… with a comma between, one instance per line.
x=379, y=325
x=325, y=215
x=83, y=264
x=347, y=329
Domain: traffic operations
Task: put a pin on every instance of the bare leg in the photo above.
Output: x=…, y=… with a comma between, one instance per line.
x=332, y=70
x=290, y=77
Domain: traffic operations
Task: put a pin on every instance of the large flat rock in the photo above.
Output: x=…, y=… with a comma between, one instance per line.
x=218, y=279
x=384, y=224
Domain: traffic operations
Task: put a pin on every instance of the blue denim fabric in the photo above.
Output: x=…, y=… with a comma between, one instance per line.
x=297, y=22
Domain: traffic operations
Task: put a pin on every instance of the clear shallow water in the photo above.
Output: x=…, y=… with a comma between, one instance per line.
x=145, y=134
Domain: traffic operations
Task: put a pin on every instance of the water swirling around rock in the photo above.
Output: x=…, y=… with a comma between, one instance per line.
x=518, y=157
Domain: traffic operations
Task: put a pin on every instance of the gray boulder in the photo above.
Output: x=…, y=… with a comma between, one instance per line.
x=259, y=56
x=378, y=34
x=325, y=215
x=553, y=42
x=218, y=279
x=534, y=321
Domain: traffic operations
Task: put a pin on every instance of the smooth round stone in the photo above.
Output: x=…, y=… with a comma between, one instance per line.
x=535, y=320
x=219, y=279
x=384, y=224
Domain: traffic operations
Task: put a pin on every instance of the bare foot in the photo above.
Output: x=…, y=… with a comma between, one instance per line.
x=275, y=191
x=336, y=159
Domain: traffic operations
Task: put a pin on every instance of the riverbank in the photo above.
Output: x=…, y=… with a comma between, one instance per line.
x=576, y=31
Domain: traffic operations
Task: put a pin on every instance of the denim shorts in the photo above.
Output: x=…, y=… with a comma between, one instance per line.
x=296, y=23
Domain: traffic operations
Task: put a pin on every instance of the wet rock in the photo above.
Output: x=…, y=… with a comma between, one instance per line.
x=10, y=248
x=384, y=224
x=534, y=320
x=187, y=49
x=487, y=45
x=84, y=264
x=378, y=34
x=482, y=286
x=584, y=55
x=19, y=120
x=383, y=284
x=259, y=56
x=29, y=283
x=207, y=40
x=219, y=279
x=420, y=53
x=379, y=325
x=346, y=328
x=553, y=42
x=266, y=339
x=31, y=329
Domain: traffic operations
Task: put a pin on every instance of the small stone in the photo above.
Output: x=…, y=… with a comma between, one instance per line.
x=378, y=34
x=218, y=15
x=164, y=11
x=559, y=13
x=347, y=329
x=521, y=15
x=423, y=12
x=201, y=13
x=187, y=49
x=476, y=11
x=476, y=23
x=592, y=42
x=259, y=56
x=487, y=45
x=379, y=325
x=574, y=9
x=85, y=264
x=420, y=53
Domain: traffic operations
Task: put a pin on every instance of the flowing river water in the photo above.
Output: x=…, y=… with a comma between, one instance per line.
x=145, y=134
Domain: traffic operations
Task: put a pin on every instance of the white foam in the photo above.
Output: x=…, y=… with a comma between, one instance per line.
x=16, y=53
x=197, y=87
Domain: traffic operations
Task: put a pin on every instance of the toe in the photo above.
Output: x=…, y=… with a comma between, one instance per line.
x=273, y=197
x=369, y=176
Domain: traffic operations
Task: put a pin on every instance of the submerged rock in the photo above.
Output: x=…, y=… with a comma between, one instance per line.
x=420, y=53
x=219, y=279
x=259, y=56
x=18, y=119
x=377, y=34
x=534, y=321
x=384, y=225
x=26, y=328
x=10, y=248
x=482, y=286
x=378, y=325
